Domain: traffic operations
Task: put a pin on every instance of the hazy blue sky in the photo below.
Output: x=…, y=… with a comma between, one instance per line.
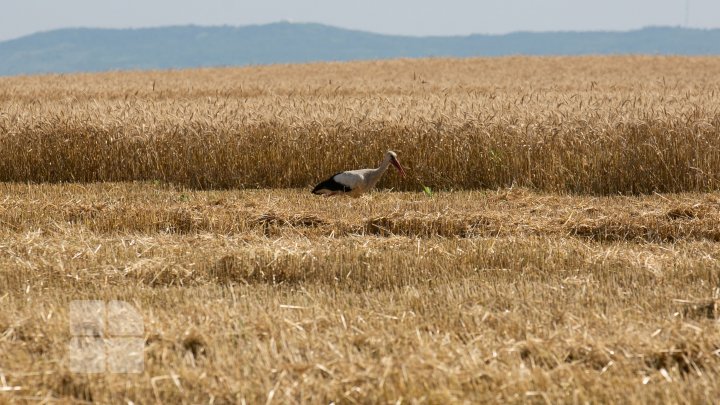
x=409, y=17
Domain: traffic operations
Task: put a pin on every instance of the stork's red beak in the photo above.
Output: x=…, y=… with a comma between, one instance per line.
x=400, y=168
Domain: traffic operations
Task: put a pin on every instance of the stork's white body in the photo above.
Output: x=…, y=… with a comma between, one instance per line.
x=359, y=181
x=356, y=182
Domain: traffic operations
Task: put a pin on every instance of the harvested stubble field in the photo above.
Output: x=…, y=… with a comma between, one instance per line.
x=570, y=252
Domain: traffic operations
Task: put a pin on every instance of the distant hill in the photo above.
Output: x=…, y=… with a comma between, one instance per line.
x=85, y=49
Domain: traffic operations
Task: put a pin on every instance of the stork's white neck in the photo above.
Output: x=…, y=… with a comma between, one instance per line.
x=385, y=163
x=374, y=176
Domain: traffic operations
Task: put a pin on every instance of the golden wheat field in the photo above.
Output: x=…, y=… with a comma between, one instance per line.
x=569, y=251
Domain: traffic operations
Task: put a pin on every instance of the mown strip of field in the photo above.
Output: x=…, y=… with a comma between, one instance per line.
x=282, y=295
x=118, y=208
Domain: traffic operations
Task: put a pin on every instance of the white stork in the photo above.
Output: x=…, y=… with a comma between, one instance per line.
x=356, y=182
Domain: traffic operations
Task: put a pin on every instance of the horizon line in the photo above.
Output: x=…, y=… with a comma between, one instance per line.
x=285, y=21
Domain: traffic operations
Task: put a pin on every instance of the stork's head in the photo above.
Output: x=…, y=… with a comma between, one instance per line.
x=393, y=159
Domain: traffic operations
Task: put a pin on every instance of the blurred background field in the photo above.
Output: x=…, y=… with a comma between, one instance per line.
x=598, y=125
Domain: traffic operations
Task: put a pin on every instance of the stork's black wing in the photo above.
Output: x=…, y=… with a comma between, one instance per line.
x=331, y=185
